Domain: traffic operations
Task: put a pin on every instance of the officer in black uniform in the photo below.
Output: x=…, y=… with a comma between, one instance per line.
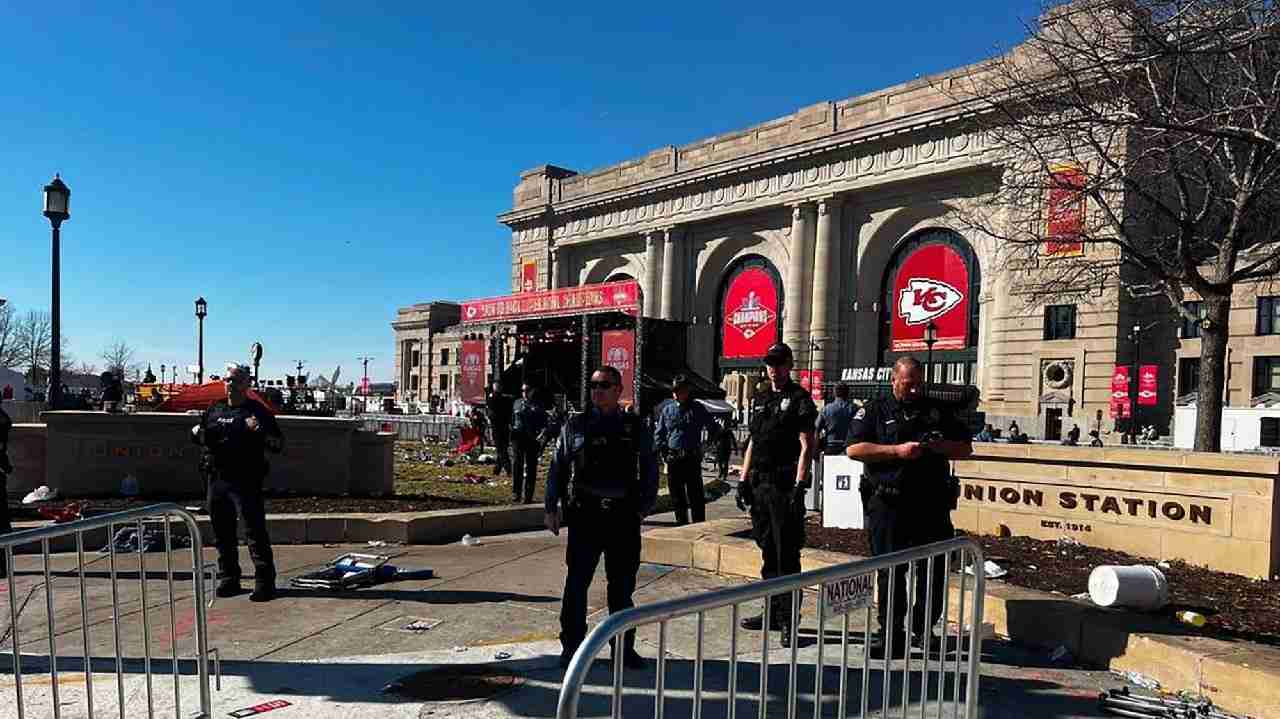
x=5, y=470
x=528, y=426
x=775, y=477
x=604, y=480
x=905, y=440
x=500, y=408
x=235, y=432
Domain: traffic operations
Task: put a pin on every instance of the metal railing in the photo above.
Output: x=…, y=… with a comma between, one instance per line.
x=962, y=702
x=446, y=429
x=138, y=519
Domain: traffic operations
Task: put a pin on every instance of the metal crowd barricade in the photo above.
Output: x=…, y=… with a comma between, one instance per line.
x=415, y=428
x=956, y=669
x=138, y=518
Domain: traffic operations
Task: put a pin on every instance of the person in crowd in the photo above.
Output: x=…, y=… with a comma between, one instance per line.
x=906, y=440
x=500, y=409
x=528, y=426
x=677, y=436
x=833, y=422
x=775, y=478
x=603, y=482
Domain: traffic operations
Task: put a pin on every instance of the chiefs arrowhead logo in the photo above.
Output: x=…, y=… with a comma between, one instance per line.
x=924, y=299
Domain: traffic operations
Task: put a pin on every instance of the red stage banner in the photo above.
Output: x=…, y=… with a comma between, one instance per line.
x=1064, y=212
x=529, y=276
x=607, y=297
x=471, y=383
x=812, y=381
x=931, y=285
x=750, y=315
x=1148, y=378
x=1120, y=405
x=617, y=349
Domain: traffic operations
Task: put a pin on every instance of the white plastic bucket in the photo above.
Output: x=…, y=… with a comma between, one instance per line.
x=1136, y=587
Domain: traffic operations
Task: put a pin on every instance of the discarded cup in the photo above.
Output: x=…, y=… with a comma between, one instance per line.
x=469, y=541
x=502, y=655
x=1195, y=619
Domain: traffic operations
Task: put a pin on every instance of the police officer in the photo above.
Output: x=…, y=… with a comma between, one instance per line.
x=833, y=422
x=500, y=407
x=528, y=425
x=235, y=432
x=677, y=436
x=5, y=470
x=775, y=477
x=905, y=441
x=604, y=480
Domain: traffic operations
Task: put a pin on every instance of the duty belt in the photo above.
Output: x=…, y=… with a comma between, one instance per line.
x=603, y=503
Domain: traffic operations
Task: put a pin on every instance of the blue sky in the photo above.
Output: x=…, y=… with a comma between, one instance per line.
x=310, y=167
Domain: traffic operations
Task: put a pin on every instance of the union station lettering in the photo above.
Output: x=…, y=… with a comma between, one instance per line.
x=1096, y=502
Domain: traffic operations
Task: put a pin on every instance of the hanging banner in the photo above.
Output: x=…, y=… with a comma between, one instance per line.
x=529, y=276
x=812, y=381
x=1064, y=212
x=1148, y=391
x=617, y=349
x=1120, y=405
x=621, y=296
x=471, y=383
x=932, y=285
x=750, y=315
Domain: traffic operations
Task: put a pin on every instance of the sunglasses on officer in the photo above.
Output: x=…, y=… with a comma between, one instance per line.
x=600, y=384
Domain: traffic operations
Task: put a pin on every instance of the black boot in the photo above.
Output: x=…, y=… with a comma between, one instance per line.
x=264, y=590
x=878, y=646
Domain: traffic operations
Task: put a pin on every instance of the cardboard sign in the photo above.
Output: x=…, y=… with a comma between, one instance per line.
x=844, y=595
x=617, y=349
x=471, y=383
x=1148, y=380
x=750, y=315
x=932, y=285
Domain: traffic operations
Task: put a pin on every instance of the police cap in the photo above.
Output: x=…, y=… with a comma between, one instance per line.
x=779, y=353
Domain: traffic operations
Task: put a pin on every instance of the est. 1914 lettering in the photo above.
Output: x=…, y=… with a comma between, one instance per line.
x=1068, y=526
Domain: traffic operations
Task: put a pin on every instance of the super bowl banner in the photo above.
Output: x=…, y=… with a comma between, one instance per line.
x=622, y=296
x=528, y=275
x=1064, y=212
x=1120, y=404
x=617, y=349
x=471, y=384
x=1148, y=379
x=750, y=315
x=932, y=285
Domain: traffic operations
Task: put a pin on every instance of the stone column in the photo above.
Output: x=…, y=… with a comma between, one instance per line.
x=652, y=274
x=826, y=281
x=670, y=272
x=796, y=289
x=554, y=270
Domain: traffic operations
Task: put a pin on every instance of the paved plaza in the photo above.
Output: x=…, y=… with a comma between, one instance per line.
x=494, y=605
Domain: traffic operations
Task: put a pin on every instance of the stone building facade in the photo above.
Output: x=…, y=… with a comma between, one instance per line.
x=836, y=203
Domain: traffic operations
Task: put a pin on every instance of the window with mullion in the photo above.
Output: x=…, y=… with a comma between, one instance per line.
x=1060, y=322
x=1268, y=315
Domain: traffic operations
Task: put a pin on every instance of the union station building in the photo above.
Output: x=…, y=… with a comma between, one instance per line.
x=835, y=229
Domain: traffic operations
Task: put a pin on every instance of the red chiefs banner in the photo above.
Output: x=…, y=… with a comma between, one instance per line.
x=529, y=276
x=932, y=285
x=617, y=349
x=1148, y=377
x=750, y=315
x=1064, y=212
x=607, y=297
x=1120, y=405
x=812, y=381
x=471, y=383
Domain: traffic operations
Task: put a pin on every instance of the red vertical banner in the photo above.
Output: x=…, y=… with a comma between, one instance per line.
x=1064, y=212
x=471, y=383
x=932, y=285
x=528, y=275
x=1120, y=404
x=750, y=321
x=812, y=381
x=617, y=349
x=1148, y=379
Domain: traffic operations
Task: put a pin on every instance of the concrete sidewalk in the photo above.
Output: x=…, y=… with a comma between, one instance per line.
x=331, y=654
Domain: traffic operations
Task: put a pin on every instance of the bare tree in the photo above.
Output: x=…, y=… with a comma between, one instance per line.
x=33, y=340
x=86, y=368
x=118, y=359
x=8, y=336
x=1140, y=147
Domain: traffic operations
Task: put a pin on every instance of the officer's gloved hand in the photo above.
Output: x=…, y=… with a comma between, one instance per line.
x=744, y=496
x=798, y=494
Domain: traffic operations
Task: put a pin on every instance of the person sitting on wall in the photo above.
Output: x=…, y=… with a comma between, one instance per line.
x=1095, y=438
x=1073, y=437
x=985, y=435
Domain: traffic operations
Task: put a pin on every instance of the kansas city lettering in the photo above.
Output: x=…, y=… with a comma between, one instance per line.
x=1097, y=503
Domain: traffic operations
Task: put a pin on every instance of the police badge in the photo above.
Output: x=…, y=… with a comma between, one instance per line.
x=786, y=402
x=934, y=416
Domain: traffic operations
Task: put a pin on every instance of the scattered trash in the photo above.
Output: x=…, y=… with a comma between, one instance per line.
x=460, y=649
x=1138, y=679
x=1162, y=565
x=486, y=459
x=129, y=486
x=989, y=569
x=1061, y=656
x=40, y=494
x=420, y=625
x=1083, y=596
x=66, y=513
x=376, y=543
x=1067, y=542
x=502, y=655
x=469, y=541
x=126, y=540
x=1135, y=587
x=1122, y=702
x=446, y=462
x=347, y=571
x=1195, y=619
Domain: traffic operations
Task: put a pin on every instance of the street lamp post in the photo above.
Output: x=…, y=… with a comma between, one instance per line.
x=57, y=207
x=1135, y=336
x=161, y=374
x=930, y=337
x=202, y=311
